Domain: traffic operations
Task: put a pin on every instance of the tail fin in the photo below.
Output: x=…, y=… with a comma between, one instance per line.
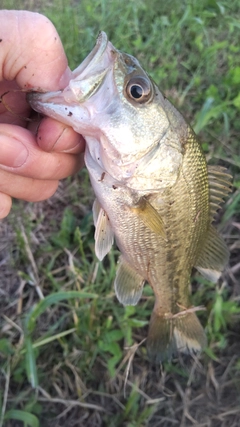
x=169, y=336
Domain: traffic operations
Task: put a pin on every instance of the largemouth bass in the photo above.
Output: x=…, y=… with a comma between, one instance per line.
x=155, y=193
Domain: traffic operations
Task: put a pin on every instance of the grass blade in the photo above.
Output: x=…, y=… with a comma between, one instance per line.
x=30, y=323
x=50, y=300
x=31, y=363
x=27, y=418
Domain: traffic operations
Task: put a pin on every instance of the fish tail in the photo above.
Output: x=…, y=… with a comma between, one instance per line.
x=170, y=335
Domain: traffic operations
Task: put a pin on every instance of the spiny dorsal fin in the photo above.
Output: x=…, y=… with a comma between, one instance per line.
x=213, y=257
x=128, y=284
x=219, y=187
x=150, y=217
x=103, y=231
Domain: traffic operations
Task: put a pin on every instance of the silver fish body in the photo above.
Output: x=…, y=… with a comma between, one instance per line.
x=155, y=193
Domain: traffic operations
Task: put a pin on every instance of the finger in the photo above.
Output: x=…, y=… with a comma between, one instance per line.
x=31, y=51
x=31, y=190
x=20, y=154
x=5, y=205
x=51, y=134
x=57, y=137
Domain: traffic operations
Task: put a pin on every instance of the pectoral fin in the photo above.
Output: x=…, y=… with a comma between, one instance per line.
x=103, y=231
x=219, y=187
x=150, y=217
x=213, y=257
x=128, y=284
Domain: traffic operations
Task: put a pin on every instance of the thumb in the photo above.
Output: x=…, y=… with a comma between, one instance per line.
x=31, y=51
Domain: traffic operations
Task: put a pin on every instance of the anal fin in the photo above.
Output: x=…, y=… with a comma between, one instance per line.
x=104, y=236
x=128, y=284
x=213, y=257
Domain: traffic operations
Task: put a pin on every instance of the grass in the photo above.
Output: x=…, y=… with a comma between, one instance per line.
x=69, y=352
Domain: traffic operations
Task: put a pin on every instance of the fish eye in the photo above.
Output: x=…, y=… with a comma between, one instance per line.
x=139, y=89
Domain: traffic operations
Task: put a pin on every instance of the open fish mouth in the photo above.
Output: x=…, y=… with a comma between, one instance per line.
x=89, y=75
x=87, y=78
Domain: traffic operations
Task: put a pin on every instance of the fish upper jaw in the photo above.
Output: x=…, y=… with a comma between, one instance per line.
x=95, y=57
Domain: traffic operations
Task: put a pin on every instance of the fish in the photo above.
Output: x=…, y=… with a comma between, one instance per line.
x=156, y=196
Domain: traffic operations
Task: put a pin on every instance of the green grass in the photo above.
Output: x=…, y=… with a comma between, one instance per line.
x=68, y=349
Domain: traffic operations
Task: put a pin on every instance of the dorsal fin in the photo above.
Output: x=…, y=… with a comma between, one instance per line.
x=213, y=257
x=103, y=231
x=219, y=187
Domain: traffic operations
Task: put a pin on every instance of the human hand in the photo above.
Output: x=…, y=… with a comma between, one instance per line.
x=33, y=156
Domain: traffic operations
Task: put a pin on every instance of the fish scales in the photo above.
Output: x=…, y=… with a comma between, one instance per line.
x=155, y=194
x=159, y=259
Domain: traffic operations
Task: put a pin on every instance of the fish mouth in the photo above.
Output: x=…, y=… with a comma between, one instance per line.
x=94, y=57
x=89, y=75
x=66, y=105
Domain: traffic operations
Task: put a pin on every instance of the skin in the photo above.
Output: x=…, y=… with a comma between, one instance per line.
x=34, y=154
